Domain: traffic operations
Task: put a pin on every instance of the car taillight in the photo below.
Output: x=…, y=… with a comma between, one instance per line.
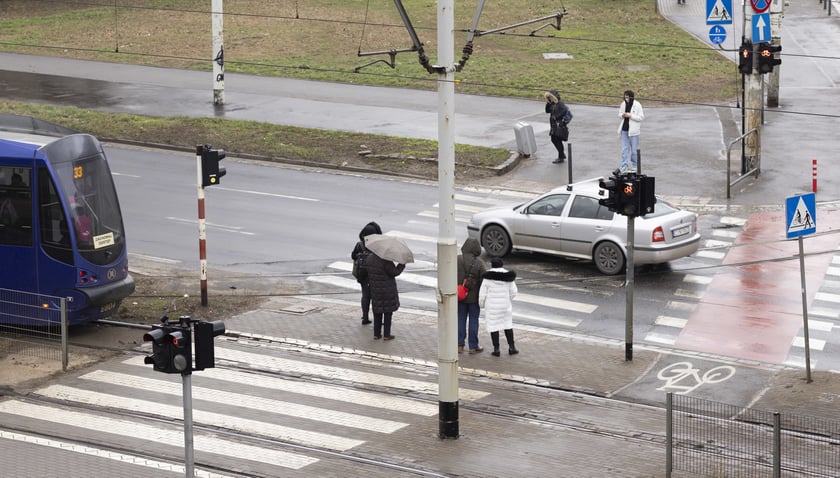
x=658, y=235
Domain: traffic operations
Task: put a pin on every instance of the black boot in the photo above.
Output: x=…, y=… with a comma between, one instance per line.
x=511, y=346
x=494, y=336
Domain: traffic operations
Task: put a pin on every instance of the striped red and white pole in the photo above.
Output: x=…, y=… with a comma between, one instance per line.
x=202, y=231
x=814, y=177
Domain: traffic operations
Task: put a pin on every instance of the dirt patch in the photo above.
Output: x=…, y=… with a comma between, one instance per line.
x=25, y=365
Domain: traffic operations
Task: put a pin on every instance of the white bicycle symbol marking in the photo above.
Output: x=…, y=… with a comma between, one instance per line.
x=684, y=378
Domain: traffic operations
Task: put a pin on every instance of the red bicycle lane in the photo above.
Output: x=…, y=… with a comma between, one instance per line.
x=752, y=309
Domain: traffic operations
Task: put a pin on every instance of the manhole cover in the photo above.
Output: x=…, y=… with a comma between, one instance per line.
x=298, y=309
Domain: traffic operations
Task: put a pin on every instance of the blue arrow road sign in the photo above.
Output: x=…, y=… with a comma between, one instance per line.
x=717, y=34
x=718, y=12
x=761, y=27
x=800, y=215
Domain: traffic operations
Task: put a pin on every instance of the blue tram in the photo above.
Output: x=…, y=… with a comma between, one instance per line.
x=61, y=229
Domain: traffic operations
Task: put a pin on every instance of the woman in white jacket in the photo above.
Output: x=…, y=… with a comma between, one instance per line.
x=495, y=297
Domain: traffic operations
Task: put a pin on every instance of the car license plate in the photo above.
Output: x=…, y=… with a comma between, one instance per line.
x=681, y=231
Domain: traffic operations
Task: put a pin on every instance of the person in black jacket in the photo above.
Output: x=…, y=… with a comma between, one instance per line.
x=362, y=279
x=559, y=118
x=385, y=297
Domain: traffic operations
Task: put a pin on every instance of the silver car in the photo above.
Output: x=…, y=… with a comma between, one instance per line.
x=568, y=221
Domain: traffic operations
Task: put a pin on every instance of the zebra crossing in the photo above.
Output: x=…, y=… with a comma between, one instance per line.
x=260, y=394
x=823, y=325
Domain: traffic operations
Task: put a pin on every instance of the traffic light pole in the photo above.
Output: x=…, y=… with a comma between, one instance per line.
x=202, y=231
x=629, y=289
x=189, y=453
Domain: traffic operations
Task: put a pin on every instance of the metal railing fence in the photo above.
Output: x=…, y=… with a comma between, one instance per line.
x=34, y=325
x=710, y=438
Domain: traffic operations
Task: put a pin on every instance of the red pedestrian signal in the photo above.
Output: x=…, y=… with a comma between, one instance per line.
x=745, y=58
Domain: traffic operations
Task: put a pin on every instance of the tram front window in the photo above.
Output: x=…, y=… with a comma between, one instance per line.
x=92, y=205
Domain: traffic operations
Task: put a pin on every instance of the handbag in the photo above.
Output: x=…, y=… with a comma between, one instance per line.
x=463, y=290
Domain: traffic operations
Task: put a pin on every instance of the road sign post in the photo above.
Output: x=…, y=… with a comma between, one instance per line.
x=801, y=219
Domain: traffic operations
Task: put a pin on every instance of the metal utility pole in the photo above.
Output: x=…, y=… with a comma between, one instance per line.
x=751, y=108
x=776, y=14
x=629, y=289
x=218, y=52
x=447, y=241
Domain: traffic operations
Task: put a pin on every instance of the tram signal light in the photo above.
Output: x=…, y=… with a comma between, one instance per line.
x=205, y=356
x=766, y=57
x=610, y=185
x=745, y=58
x=211, y=173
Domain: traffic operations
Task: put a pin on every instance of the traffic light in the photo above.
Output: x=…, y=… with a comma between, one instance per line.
x=766, y=57
x=745, y=58
x=205, y=356
x=171, y=347
x=160, y=349
x=610, y=185
x=211, y=173
x=629, y=196
x=647, y=193
x=180, y=347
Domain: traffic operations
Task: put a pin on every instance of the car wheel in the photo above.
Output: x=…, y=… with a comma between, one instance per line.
x=495, y=241
x=608, y=258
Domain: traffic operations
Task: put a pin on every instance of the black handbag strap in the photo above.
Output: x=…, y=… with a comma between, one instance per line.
x=469, y=274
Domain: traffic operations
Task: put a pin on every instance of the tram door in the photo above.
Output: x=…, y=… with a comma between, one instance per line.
x=17, y=254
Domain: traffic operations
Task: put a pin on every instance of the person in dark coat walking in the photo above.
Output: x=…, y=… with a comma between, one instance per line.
x=385, y=297
x=559, y=118
x=362, y=279
x=470, y=266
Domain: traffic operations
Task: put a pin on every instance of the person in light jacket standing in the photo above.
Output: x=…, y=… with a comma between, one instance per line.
x=629, y=130
x=496, y=299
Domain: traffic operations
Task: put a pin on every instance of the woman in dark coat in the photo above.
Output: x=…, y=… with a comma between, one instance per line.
x=385, y=298
x=359, y=249
x=471, y=267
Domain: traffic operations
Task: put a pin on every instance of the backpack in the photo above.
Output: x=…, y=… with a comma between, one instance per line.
x=567, y=118
x=360, y=265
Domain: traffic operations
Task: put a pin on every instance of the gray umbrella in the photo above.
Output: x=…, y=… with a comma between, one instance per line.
x=389, y=248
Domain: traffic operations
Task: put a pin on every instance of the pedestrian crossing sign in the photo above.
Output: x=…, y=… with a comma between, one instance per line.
x=718, y=12
x=801, y=214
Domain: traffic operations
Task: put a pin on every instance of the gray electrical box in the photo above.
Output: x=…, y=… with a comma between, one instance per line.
x=526, y=144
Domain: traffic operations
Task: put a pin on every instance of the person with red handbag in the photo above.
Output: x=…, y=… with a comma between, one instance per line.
x=470, y=271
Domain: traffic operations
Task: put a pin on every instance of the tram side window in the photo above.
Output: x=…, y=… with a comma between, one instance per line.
x=55, y=234
x=15, y=206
